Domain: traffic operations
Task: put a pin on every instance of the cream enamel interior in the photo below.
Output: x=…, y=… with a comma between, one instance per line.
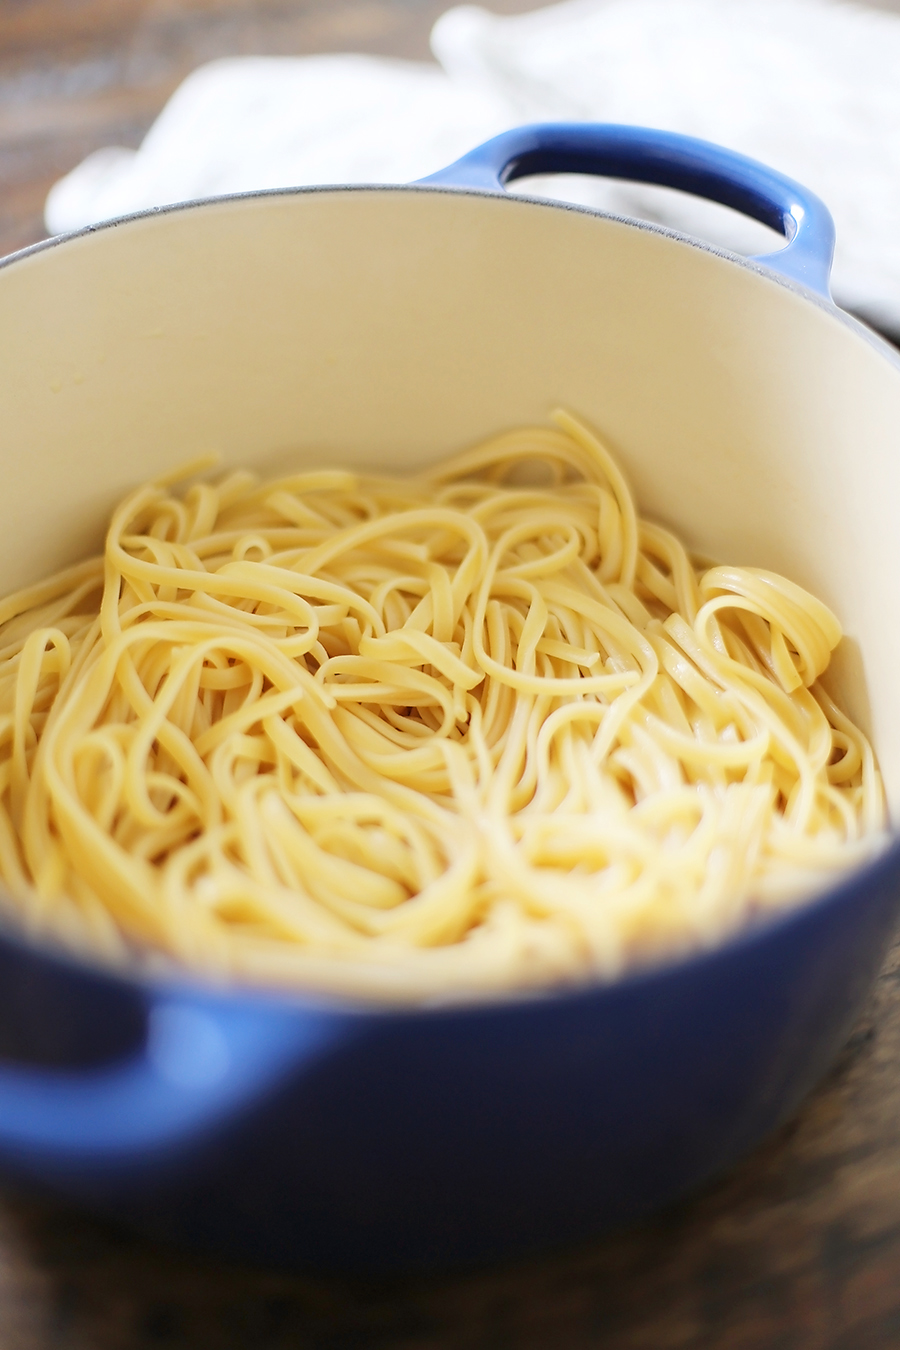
x=390, y=326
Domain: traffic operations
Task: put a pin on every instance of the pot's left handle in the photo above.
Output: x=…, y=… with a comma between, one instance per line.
x=643, y=155
x=201, y=1062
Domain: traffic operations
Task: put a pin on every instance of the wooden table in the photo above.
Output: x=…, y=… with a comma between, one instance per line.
x=798, y=1249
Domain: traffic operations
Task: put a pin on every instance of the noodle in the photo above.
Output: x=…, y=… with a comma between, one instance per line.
x=475, y=730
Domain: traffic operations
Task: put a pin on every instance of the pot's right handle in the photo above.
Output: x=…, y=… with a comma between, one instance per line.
x=642, y=155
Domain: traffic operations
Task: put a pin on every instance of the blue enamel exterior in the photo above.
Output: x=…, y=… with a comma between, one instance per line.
x=298, y=1131
x=643, y=155
x=388, y=1139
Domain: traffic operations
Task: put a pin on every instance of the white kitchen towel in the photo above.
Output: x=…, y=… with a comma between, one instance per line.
x=808, y=86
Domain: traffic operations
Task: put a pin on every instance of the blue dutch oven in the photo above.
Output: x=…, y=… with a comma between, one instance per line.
x=389, y=326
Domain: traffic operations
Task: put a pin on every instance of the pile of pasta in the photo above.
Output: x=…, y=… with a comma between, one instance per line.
x=412, y=738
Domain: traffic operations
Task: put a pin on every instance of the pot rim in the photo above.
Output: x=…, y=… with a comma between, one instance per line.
x=871, y=335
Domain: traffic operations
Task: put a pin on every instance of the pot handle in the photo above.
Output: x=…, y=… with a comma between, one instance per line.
x=202, y=1061
x=667, y=159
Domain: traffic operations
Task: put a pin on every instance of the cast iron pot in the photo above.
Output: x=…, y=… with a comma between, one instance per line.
x=390, y=326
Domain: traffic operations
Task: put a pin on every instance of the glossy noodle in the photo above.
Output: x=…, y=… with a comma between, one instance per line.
x=423, y=737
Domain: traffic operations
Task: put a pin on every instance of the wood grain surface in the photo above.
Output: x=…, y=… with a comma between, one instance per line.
x=797, y=1249
x=76, y=75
